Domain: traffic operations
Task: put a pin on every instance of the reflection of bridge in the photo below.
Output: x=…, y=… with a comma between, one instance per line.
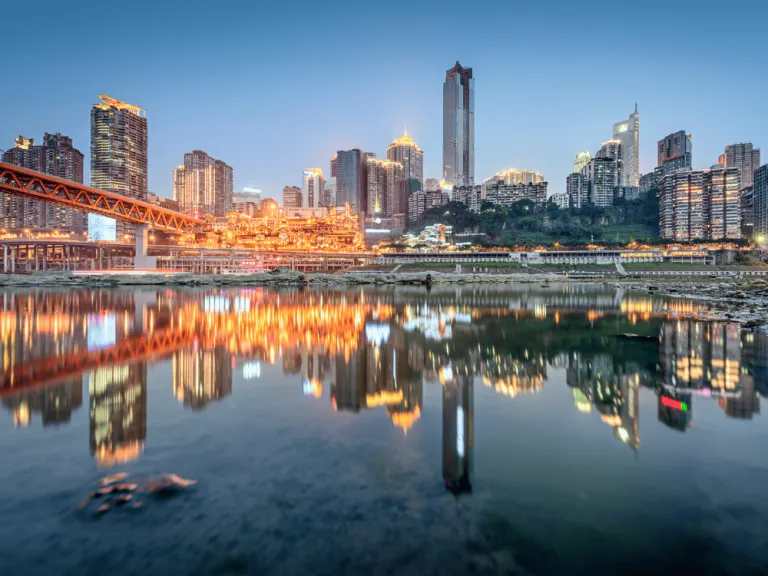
x=39, y=186
x=43, y=372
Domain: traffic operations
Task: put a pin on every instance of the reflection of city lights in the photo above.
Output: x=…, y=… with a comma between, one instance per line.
x=251, y=370
x=460, y=431
x=312, y=388
x=377, y=334
x=674, y=404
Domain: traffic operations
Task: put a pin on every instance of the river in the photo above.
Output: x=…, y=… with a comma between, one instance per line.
x=560, y=429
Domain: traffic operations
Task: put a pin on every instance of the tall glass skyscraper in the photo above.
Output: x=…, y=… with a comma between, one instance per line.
x=628, y=132
x=118, y=160
x=459, y=126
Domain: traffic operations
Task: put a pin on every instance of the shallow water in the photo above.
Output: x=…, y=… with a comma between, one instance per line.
x=461, y=430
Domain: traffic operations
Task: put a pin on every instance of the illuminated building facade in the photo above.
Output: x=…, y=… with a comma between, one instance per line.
x=507, y=194
x=700, y=204
x=386, y=188
x=119, y=155
x=459, y=126
x=54, y=404
x=405, y=151
x=292, y=197
x=744, y=157
x=760, y=192
x=55, y=156
x=628, y=133
x=312, y=188
x=203, y=184
x=581, y=161
x=675, y=153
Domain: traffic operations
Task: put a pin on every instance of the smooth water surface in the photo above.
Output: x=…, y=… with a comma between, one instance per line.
x=535, y=430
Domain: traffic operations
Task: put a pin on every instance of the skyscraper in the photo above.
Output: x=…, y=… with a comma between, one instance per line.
x=203, y=184
x=292, y=197
x=744, y=157
x=57, y=157
x=405, y=151
x=118, y=160
x=628, y=133
x=385, y=186
x=577, y=189
x=581, y=160
x=614, y=150
x=675, y=153
x=459, y=126
x=760, y=191
x=351, y=179
x=312, y=188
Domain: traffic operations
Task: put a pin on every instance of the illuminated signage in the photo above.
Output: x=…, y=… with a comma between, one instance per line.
x=674, y=404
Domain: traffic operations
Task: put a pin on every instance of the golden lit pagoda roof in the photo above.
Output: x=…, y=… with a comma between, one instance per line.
x=109, y=102
x=405, y=420
x=405, y=140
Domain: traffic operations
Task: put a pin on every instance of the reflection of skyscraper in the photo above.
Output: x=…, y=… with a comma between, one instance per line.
x=747, y=404
x=54, y=403
x=118, y=413
x=201, y=376
x=348, y=390
x=458, y=434
x=675, y=410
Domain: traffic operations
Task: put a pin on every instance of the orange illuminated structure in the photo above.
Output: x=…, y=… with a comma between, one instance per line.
x=29, y=184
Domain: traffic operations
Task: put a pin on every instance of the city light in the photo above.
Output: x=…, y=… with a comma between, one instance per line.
x=674, y=404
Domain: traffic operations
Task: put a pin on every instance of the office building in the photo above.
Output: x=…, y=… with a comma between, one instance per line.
x=760, y=193
x=628, y=133
x=700, y=204
x=499, y=192
x=405, y=151
x=119, y=156
x=602, y=174
x=459, y=126
x=313, y=186
x=744, y=157
x=386, y=188
x=581, y=161
x=577, y=189
x=292, y=197
x=55, y=156
x=675, y=152
x=329, y=192
x=203, y=185
x=614, y=150
x=351, y=179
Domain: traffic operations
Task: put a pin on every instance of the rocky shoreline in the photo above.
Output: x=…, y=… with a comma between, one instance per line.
x=736, y=300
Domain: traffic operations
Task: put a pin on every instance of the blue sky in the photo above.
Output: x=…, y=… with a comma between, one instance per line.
x=273, y=88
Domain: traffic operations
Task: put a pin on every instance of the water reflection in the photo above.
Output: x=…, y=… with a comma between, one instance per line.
x=374, y=350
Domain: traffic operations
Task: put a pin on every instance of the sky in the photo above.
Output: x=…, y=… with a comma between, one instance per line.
x=273, y=88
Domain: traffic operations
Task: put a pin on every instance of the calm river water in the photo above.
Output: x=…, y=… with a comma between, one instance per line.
x=532, y=430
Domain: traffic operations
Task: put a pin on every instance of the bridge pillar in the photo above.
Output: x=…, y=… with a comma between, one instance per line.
x=6, y=265
x=142, y=260
x=45, y=257
x=13, y=260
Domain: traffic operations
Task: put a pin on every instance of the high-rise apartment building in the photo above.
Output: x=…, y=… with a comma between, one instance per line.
x=385, y=188
x=119, y=157
x=577, y=189
x=55, y=156
x=431, y=184
x=675, y=152
x=603, y=177
x=499, y=192
x=700, y=204
x=292, y=197
x=405, y=151
x=760, y=193
x=744, y=157
x=470, y=196
x=459, y=126
x=351, y=179
x=512, y=176
x=312, y=188
x=614, y=150
x=628, y=133
x=203, y=184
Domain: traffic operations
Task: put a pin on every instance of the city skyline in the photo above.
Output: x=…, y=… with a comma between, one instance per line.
x=508, y=124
